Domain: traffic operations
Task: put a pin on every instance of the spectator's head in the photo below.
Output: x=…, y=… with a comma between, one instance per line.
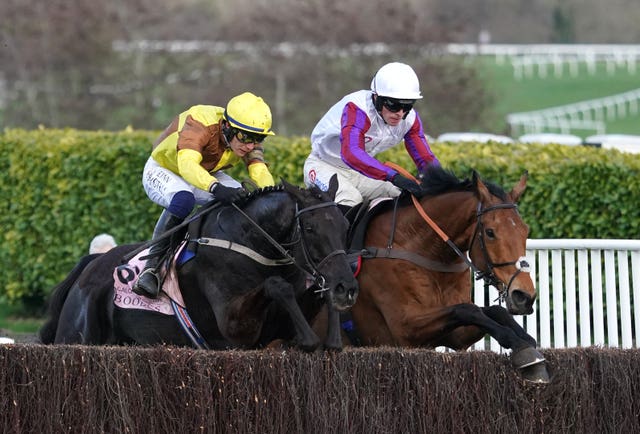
x=102, y=243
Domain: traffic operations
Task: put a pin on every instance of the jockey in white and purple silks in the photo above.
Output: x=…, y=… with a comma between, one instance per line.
x=363, y=124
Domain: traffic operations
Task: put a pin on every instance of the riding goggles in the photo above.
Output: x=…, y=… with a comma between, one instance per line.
x=247, y=138
x=395, y=105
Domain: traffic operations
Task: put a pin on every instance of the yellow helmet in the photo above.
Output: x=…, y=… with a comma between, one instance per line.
x=250, y=113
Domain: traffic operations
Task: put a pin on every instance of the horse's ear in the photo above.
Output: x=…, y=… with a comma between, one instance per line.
x=518, y=189
x=287, y=186
x=481, y=189
x=291, y=189
x=333, y=187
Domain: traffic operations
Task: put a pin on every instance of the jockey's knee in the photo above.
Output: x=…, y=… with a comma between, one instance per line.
x=182, y=204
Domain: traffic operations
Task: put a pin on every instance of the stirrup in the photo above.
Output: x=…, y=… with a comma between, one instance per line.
x=145, y=289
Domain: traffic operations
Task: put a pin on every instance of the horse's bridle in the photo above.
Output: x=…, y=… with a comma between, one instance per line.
x=489, y=275
x=310, y=265
x=318, y=278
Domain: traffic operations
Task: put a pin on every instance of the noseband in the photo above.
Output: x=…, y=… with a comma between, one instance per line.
x=489, y=276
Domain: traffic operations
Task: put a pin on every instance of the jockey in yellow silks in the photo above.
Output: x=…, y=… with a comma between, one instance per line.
x=186, y=166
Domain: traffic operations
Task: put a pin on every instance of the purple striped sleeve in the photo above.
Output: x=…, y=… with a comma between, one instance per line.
x=354, y=124
x=418, y=147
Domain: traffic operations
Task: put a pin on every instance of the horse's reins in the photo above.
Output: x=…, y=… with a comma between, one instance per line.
x=208, y=207
x=318, y=278
x=489, y=277
x=202, y=211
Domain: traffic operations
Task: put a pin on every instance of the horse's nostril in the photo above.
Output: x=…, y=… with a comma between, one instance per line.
x=521, y=298
x=339, y=289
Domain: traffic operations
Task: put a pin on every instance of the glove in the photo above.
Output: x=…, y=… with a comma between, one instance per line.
x=227, y=195
x=408, y=185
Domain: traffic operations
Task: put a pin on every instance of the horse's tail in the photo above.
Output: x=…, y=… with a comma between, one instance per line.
x=47, y=332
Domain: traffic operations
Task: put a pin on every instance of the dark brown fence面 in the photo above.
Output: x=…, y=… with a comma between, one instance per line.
x=165, y=389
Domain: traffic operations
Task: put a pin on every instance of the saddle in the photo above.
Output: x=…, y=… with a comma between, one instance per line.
x=359, y=218
x=362, y=215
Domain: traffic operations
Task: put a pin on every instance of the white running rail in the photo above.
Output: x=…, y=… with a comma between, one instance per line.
x=529, y=60
x=588, y=294
x=586, y=115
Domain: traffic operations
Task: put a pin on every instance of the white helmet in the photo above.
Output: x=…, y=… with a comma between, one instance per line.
x=396, y=80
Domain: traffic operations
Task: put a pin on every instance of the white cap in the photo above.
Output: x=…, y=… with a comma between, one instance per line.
x=396, y=80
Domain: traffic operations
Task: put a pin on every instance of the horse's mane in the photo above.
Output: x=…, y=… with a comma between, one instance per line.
x=252, y=195
x=437, y=180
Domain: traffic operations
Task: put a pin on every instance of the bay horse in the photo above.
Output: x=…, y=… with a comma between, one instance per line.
x=414, y=279
x=235, y=294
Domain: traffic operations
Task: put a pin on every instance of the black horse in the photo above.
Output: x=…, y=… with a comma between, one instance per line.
x=235, y=295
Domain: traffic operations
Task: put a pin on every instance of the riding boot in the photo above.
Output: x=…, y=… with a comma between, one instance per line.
x=148, y=282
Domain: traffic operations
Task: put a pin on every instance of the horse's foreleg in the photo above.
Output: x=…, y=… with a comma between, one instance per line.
x=470, y=314
x=524, y=357
x=500, y=326
x=333, y=340
x=450, y=324
x=282, y=292
x=500, y=315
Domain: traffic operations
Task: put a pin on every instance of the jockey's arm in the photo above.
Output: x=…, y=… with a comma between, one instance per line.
x=354, y=125
x=417, y=146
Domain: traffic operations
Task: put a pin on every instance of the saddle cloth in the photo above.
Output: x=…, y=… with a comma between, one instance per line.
x=124, y=277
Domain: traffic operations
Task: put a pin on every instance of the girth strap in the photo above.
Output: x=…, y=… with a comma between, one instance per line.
x=421, y=261
x=189, y=327
x=244, y=250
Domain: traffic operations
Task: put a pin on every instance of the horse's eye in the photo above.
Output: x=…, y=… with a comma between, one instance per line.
x=490, y=233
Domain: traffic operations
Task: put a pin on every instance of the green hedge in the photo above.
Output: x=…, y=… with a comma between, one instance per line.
x=62, y=187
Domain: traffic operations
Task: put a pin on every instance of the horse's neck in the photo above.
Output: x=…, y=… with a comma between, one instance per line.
x=454, y=215
x=273, y=212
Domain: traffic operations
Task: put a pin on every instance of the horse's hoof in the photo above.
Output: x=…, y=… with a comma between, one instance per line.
x=333, y=348
x=536, y=373
x=527, y=356
x=277, y=345
x=308, y=346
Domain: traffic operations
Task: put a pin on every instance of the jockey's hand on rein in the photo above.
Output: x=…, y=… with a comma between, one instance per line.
x=227, y=195
x=408, y=185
